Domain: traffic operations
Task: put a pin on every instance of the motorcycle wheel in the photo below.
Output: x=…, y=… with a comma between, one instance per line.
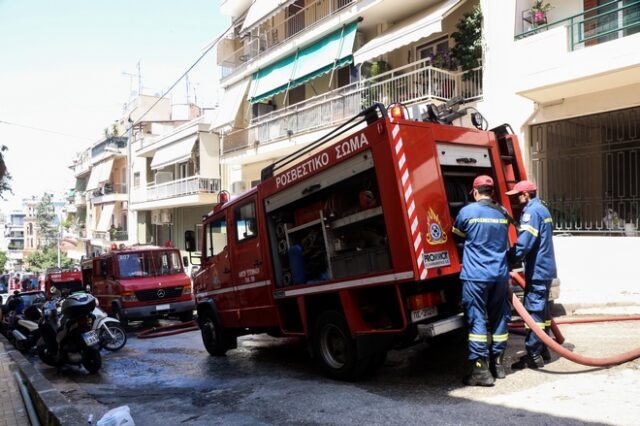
x=119, y=337
x=91, y=360
x=43, y=353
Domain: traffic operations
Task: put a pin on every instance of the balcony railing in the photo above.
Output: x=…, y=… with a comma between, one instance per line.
x=597, y=25
x=410, y=84
x=111, y=235
x=262, y=39
x=177, y=188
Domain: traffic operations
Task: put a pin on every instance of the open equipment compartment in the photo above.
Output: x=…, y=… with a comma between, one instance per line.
x=330, y=226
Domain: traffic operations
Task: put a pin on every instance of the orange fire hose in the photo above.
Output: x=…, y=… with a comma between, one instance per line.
x=559, y=349
x=168, y=330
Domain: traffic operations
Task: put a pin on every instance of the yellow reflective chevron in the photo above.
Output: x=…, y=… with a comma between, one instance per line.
x=458, y=232
x=542, y=325
x=488, y=220
x=500, y=337
x=477, y=337
x=528, y=228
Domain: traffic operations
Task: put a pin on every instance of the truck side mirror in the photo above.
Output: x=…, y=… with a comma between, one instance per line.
x=190, y=241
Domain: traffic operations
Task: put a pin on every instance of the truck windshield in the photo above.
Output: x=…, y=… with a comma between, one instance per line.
x=146, y=264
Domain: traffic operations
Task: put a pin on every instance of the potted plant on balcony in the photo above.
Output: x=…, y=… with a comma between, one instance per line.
x=539, y=11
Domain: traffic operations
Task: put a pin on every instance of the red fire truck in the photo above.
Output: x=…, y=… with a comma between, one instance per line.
x=61, y=282
x=350, y=246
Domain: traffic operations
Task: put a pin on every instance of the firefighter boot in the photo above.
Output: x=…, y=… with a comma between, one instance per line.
x=497, y=366
x=546, y=355
x=533, y=361
x=480, y=375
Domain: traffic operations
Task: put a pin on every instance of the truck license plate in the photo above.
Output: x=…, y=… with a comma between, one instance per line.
x=90, y=338
x=164, y=307
x=425, y=313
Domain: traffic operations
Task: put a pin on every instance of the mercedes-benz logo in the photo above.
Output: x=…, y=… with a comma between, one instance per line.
x=161, y=293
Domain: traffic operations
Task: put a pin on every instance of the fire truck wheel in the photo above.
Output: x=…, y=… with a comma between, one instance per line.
x=124, y=322
x=212, y=334
x=335, y=349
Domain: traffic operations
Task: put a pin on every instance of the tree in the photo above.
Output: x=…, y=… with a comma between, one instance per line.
x=47, y=258
x=3, y=259
x=5, y=177
x=468, y=49
x=45, y=215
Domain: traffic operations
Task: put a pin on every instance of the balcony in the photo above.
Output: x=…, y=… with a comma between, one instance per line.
x=264, y=38
x=411, y=84
x=80, y=199
x=592, y=51
x=186, y=187
x=593, y=26
x=111, y=236
x=109, y=193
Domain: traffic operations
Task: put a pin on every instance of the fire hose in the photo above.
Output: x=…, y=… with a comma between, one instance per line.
x=556, y=345
x=168, y=330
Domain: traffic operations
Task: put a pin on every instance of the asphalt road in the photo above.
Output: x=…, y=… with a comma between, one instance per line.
x=268, y=381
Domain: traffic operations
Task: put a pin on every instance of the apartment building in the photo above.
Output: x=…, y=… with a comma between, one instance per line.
x=172, y=163
x=570, y=86
x=292, y=70
x=176, y=180
x=13, y=241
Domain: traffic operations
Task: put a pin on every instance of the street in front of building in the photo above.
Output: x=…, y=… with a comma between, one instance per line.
x=172, y=380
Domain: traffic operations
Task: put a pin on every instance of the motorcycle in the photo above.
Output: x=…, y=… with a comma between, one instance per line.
x=68, y=338
x=26, y=333
x=111, y=333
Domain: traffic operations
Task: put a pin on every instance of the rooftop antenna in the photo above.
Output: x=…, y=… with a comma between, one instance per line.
x=131, y=76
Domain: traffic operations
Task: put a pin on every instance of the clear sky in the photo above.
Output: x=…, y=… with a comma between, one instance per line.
x=62, y=66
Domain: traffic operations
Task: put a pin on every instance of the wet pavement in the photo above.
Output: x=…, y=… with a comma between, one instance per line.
x=173, y=380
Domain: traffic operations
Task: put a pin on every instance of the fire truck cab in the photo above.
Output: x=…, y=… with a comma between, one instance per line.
x=349, y=246
x=139, y=283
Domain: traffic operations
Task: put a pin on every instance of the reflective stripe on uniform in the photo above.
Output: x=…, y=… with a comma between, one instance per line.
x=539, y=324
x=458, y=232
x=500, y=337
x=547, y=323
x=488, y=220
x=528, y=228
x=477, y=337
x=548, y=220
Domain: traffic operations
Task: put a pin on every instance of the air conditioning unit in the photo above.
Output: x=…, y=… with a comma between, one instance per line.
x=165, y=217
x=155, y=218
x=238, y=187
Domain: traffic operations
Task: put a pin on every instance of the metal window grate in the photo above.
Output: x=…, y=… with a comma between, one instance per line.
x=587, y=169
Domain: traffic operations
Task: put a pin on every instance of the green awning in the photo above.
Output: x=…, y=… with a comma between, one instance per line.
x=333, y=51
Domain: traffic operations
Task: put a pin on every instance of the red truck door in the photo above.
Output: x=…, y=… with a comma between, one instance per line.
x=217, y=278
x=248, y=268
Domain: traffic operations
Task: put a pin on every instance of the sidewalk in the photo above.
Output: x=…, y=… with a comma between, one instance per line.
x=12, y=410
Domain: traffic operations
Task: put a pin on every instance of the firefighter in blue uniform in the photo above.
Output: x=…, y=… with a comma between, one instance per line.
x=484, y=227
x=535, y=247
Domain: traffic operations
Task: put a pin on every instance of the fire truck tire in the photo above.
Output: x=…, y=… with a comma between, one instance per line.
x=213, y=335
x=124, y=322
x=335, y=349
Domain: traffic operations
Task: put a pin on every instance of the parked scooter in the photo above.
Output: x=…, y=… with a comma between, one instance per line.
x=69, y=338
x=111, y=333
x=26, y=333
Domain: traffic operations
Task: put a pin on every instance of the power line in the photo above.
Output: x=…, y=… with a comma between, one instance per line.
x=206, y=51
x=24, y=126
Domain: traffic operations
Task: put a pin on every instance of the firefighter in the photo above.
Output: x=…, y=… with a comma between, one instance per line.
x=535, y=247
x=484, y=227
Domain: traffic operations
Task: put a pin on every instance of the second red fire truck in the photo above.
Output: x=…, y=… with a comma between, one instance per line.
x=350, y=246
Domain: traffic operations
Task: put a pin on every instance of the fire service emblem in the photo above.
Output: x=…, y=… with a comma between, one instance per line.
x=435, y=234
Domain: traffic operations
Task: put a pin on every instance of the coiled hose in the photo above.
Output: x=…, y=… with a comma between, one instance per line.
x=557, y=347
x=168, y=330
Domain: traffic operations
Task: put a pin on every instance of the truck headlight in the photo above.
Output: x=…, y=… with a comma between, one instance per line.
x=186, y=290
x=129, y=296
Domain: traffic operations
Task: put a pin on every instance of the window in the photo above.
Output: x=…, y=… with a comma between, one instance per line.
x=216, y=236
x=136, y=180
x=183, y=170
x=245, y=218
x=433, y=49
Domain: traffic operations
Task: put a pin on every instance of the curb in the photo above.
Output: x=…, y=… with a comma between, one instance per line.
x=52, y=407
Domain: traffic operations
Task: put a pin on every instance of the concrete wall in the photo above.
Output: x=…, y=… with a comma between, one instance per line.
x=597, y=270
